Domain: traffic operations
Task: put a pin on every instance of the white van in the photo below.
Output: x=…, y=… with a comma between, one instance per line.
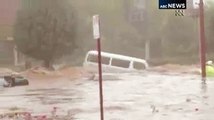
x=113, y=62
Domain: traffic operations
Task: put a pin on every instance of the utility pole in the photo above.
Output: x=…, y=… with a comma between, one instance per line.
x=147, y=43
x=202, y=41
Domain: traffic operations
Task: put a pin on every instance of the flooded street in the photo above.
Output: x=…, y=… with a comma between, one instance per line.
x=149, y=96
x=152, y=54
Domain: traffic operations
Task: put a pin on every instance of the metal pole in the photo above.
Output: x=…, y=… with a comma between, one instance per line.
x=147, y=44
x=15, y=53
x=202, y=41
x=147, y=49
x=96, y=32
x=100, y=79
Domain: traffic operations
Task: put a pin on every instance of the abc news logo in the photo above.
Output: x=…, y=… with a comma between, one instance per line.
x=178, y=5
x=179, y=13
x=172, y=4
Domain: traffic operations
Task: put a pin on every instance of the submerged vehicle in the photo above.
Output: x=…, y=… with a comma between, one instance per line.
x=11, y=81
x=114, y=62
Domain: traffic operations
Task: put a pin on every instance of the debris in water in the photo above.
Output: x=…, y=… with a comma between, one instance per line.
x=196, y=109
x=188, y=100
x=154, y=110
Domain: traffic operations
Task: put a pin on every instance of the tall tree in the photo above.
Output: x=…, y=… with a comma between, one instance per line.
x=45, y=29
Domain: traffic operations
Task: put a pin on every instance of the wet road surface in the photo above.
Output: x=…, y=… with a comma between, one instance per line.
x=149, y=96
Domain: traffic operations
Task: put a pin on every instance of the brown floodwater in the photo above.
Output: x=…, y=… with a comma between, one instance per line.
x=127, y=96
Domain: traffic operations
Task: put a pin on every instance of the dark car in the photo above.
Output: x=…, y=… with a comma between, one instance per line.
x=12, y=81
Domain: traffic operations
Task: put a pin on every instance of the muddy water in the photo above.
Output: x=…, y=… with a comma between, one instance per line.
x=149, y=96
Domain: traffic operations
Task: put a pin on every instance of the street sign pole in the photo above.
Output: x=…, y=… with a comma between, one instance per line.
x=100, y=79
x=202, y=41
x=96, y=32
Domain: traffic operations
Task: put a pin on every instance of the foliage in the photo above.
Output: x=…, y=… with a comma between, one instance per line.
x=45, y=29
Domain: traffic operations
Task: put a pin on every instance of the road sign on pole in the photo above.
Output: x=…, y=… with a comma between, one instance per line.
x=96, y=27
x=96, y=32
